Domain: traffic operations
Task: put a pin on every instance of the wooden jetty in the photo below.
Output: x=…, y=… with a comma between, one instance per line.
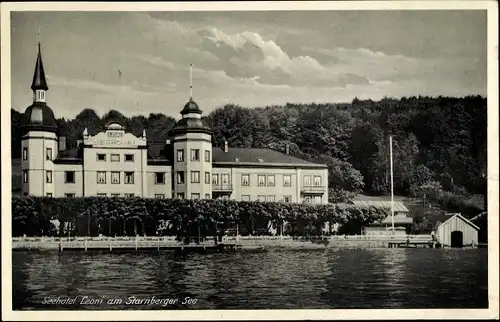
x=129, y=244
x=414, y=243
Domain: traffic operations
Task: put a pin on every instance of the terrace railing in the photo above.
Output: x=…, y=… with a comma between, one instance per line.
x=313, y=189
x=222, y=187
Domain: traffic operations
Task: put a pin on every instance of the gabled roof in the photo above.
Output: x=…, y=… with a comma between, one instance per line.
x=158, y=151
x=257, y=156
x=398, y=205
x=70, y=156
x=463, y=218
x=398, y=220
x=479, y=216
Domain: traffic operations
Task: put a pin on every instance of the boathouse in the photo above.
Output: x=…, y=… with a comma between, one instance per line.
x=458, y=231
x=401, y=219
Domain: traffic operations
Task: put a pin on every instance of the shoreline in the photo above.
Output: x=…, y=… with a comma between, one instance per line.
x=226, y=244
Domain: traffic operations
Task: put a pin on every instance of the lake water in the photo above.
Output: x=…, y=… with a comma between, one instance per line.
x=277, y=279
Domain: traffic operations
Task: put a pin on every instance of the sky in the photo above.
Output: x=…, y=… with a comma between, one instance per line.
x=138, y=62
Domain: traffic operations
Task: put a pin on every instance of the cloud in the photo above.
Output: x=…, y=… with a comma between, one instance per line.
x=241, y=57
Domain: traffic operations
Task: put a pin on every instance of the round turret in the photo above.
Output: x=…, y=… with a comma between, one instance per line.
x=191, y=107
x=39, y=117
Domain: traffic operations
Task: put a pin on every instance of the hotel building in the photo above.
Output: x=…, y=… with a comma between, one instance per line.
x=115, y=163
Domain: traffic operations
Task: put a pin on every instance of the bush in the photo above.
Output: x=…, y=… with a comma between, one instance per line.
x=91, y=216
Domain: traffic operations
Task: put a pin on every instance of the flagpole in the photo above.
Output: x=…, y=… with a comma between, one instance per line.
x=392, y=186
x=191, y=80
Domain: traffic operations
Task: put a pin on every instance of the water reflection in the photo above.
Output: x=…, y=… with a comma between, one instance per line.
x=333, y=278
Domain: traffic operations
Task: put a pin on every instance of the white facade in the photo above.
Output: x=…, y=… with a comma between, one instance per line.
x=115, y=163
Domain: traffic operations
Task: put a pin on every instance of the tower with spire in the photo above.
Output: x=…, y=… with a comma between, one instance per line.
x=192, y=144
x=39, y=138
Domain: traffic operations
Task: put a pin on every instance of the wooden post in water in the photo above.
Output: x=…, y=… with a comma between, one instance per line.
x=136, y=242
x=85, y=244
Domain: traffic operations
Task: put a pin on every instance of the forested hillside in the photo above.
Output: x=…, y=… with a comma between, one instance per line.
x=439, y=143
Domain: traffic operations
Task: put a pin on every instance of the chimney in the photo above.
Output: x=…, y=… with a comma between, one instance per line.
x=226, y=146
x=62, y=143
x=287, y=149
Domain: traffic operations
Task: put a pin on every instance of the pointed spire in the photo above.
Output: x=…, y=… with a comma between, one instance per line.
x=39, y=82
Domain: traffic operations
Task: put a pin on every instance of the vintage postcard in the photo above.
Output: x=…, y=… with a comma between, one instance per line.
x=250, y=160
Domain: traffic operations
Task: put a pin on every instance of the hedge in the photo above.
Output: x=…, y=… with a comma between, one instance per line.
x=91, y=216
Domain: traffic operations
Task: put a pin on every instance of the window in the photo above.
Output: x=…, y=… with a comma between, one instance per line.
x=101, y=157
x=48, y=176
x=271, y=198
x=215, y=178
x=195, y=176
x=180, y=195
x=25, y=176
x=129, y=158
x=224, y=178
x=160, y=178
x=287, y=181
x=317, y=199
x=25, y=153
x=195, y=155
x=287, y=199
x=48, y=153
x=180, y=177
x=69, y=195
x=129, y=195
x=307, y=181
x=101, y=195
x=115, y=195
x=115, y=177
x=270, y=181
x=245, y=179
x=207, y=177
x=180, y=155
x=317, y=180
x=129, y=177
x=307, y=199
x=159, y=196
x=245, y=198
x=101, y=177
x=207, y=196
x=261, y=198
x=69, y=176
x=195, y=196
x=115, y=158
x=49, y=194
x=207, y=156
x=261, y=179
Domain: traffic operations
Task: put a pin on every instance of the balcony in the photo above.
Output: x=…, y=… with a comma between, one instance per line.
x=315, y=189
x=222, y=187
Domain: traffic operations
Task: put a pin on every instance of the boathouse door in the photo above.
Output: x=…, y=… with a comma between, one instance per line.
x=457, y=239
